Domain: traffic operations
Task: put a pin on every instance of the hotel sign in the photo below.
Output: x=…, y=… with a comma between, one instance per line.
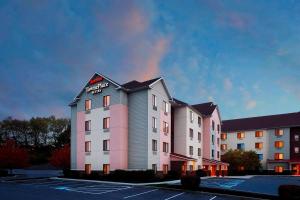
x=95, y=89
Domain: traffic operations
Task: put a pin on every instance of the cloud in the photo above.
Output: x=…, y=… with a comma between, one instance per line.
x=250, y=104
x=227, y=84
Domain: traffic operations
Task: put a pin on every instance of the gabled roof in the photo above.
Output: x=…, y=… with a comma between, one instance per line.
x=136, y=85
x=179, y=103
x=262, y=122
x=205, y=108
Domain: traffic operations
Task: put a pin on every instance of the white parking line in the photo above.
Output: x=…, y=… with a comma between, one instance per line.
x=139, y=194
x=213, y=198
x=87, y=192
x=174, y=196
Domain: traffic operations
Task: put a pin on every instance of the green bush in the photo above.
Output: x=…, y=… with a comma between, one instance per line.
x=190, y=182
x=290, y=192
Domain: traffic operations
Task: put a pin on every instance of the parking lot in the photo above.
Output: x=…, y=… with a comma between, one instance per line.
x=65, y=189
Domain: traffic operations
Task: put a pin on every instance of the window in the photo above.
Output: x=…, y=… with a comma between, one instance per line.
x=165, y=147
x=191, y=116
x=88, y=168
x=154, y=145
x=218, y=154
x=213, y=125
x=87, y=146
x=199, y=121
x=212, y=153
x=166, y=107
x=296, y=137
x=106, y=123
x=87, y=125
x=165, y=127
x=199, y=136
x=88, y=105
x=191, y=167
x=213, y=139
x=154, y=125
x=105, y=145
x=199, y=151
x=223, y=136
x=296, y=149
x=165, y=169
x=278, y=156
x=106, y=168
x=279, y=132
x=279, y=144
x=258, y=145
x=191, y=133
x=106, y=101
x=154, y=102
x=223, y=147
x=191, y=150
x=260, y=156
x=218, y=141
x=240, y=135
x=154, y=168
x=258, y=133
x=278, y=169
x=241, y=146
x=218, y=128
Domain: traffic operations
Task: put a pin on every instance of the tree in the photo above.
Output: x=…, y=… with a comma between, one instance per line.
x=60, y=129
x=12, y=156
x=61, y=157
x=247, y=159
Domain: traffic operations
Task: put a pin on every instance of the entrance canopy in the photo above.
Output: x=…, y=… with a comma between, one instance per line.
x=179, y=157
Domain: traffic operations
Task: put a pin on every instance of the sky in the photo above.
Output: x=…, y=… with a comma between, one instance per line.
x=242, y=55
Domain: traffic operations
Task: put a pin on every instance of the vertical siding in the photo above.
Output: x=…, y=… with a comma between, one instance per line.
x=138, y=130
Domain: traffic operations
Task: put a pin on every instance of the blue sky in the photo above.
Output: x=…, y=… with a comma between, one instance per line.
x=243, y=55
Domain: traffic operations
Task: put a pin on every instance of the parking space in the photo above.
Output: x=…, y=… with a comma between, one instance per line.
x=221, y=183
x=67, y=189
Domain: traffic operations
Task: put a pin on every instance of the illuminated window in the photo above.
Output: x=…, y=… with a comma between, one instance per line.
x=165, y=169
x=154, y=102
x=213, y=125
x=165, y=147
x=166, y=107
x=296, y=137
x=240, y=135
x=154, y=145
x=165, y=127
x=258, y=133
x=199, y=151
x=279, y=169
x=106, y=168
x=87, y=146
x=278, y=156
x=106, y=121
x=258, y=145
x=191, y=133
x=87, y=125
x=296, y=149
x=199, y=121
x=106, y=101
x=105, y=145
x=191, y=116
x=223, y=147
x=88, y=168
x=279, y=144
x=223, y=136
x=199, y=136
x=279, y=132
x=191, y=150
x=88, y=104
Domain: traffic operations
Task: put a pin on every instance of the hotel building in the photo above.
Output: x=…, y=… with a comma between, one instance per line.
x=275, y=139
x=138, y=126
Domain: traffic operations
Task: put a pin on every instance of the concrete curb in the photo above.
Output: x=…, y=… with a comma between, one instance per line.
x=117, y=183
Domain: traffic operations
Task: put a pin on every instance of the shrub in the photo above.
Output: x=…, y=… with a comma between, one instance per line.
x=289, y=192
x=201, y=173
x=3, y=172
x=190, y=181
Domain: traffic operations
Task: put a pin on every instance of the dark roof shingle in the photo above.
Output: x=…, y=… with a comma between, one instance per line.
x=262, y=122
x=136, y=85
x=205, y=108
